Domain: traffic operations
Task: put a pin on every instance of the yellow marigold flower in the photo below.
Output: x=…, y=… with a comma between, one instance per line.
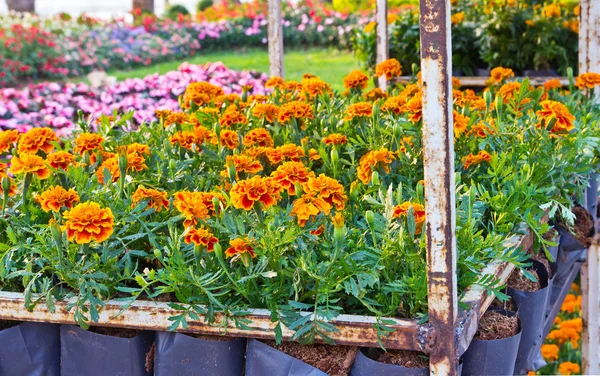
x=551, y=10
x=460, y=123
x=568, y=368
x=60, y=160
x=291, y=173
x=195, y=205
x=471, y=160
x=88, y=142
x=230, y=139
x=200, y=93
x=374, y=94
x=588, y=80
x=87, y=222
x=275, y=82
x=55, y=198
x=338, y=220
x=414, y=107
x=8, y=139
x=315, y=87
x=552, y=84
x=239, y=246
x=360, y=109
x=295, y=109
x=37, y=139
x=201, y=236
x=30, y=164
x=256, y=189
x=156, y=199
x=329, y=189
x=457, y=18
x=266, y=111
x=552, y=110
x=308, y=206
x=530, y=23
x=499, y=74
x=258, y=137
x=373, y=159
x=550, y=352
x=335, y=139
x=307, y=76
x=418, y=212
x=232, y=116
x=355, y=80
x=245, y=164
x=370, y=27
x=389, y=68
x=391, y=18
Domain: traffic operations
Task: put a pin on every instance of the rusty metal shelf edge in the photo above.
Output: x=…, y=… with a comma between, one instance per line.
x=477, y=81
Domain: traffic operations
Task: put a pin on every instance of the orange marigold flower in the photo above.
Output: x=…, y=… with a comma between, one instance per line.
x=360, y=109
x=550, y=352
x=136, y=162
x=245, y=164
x=482, y=156
x=551, y=10
x=185, y=139
x=226, y=99
x=460, y=123
x=266, y=111
x=55, y=198
x=481, y=130
x=295, y=109
x=571, y=304
x=313, y=154
x=8, y=139
x=288, y=151
x=239, y=246
x=507, y=91
x=457, y=18
x=60, y=160
x=275, y=82
x=257, y=98
x=318, y=231
x=328, y=189
x=204, y=135
x=37, y=139
x=256, y=189
x=88, y=142
x=394, y=104
x=414, y=107
x=569, y=368
x=30, y=164
x=231, y=117
x=200, y=93
x=374, y=94
x=196, y=205
x=315, y=87
x=201, y=236
x=307, y=206
x=87, y=222
x=176, y=118
x=13, y=188
x=355, y=80
x=291, y=173
x=588, y=80
x=389, y=68
x=552, y=110
x=156, y=199
x=112, y=166
x=258, y=137
x=373, y=159
x=456, y=84
x=552, y=84
x=138, y=148
x=162, y=114
x=335, y=139
x=230, y=139
x=499, y=74
x=418, y=212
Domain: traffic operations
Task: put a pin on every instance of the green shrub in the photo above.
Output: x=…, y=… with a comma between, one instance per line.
x=176, y=10
x=349, y=5
x=203, y=5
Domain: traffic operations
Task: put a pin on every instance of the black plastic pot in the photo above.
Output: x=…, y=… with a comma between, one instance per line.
x=540, y=73
x=592, y=196
x=493, y=357
x=532, y=312
x=482, y=72
x=85, y=353
x=365, y=366
x=31, y=349
x=263, y=360
x=180, y=354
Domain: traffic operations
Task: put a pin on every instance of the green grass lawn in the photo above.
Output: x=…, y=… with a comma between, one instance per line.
x=329, y=64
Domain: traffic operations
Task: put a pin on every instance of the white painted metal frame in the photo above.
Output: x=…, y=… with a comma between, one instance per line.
x=275, y=38
x=382, y=49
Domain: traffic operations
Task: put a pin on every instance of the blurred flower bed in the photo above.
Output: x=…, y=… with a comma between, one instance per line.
x=56, y=105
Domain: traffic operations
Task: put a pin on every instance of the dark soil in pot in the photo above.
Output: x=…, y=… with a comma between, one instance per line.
x=508, y=305
x=495, y=325
x=583, y=228
x=376, y=362
x=519, y=281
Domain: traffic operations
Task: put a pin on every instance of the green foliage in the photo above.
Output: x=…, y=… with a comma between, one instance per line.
x=175, y=10
x=202, y=5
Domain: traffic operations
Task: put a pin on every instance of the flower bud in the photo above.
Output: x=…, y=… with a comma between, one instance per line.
x=375, y=178
x=334, y=156
x=339, y=230
x=6, y=184
x=216, y=205
x=354, y=187
x=487, y=96
x=245, y=257
x=157, y=253
x=370, y=217
x=56, y=232
x=298, y=189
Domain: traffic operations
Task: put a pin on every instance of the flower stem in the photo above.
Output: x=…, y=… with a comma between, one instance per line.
x=26, y=184
x=259, y=212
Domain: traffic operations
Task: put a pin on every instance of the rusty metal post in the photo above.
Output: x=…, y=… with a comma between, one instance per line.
x=589, y=38
x=275, y=36
x=382, y=38
x=438, y=147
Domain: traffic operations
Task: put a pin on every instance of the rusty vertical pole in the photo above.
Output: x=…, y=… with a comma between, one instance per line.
x=275, y=36
x=382, y=38
x=144, y=5
x=438, y=147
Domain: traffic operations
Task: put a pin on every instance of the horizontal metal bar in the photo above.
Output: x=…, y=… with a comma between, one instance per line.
x=148, y=315
x=476, y=81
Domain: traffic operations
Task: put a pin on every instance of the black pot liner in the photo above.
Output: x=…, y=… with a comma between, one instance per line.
x=365, y=366
x=85, y=353
x=31, y=349
x=263, y=360
x=493, y=357
x=180, y=354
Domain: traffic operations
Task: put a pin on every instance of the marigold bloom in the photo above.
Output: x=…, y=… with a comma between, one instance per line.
x=176, y=118
x=335, y=139
x=328, y=189
x=370, y=27
x=37, y=139
x=460, y=123
x=552, y=84
x=374, y=94
x=571, y=304
x=551, y=10
x=195, y=205
x=315, y=87
x=313, y=154
x=185, y=139
x=555, y=110
x=239, y=246
x=60, y=160
x=471, y=160
x=418, y=213
x=507, y=91
x=355, y=80
x=308, y=206
x=295, y=109
x=30, y=164
x=499, y=74
x=13, y=188
x=8, y=139
x=291, y=173
x=550, y=352
x=88, y=142
x=457, y=18
x=389, y=68
x=318, y=231
x=230, y=139
x=394, y=104
x=136, y=162
x=226, y=99
x=231, y=117
x=266, y=111
x=55, y=198
x=275, y=82
x=88, y=221
x=245, y=164
x=201, y=236
x=373, y=159
x=200, y=93
x=258, y=137
x=481, y=130
x=112, y=165
x=568, y=368
x=588, y=80
x=256, y=189
x=138, y=148
x=156, y=199
x=204, y=135
x=414, y=107
x=360, y=109
x=162, y=113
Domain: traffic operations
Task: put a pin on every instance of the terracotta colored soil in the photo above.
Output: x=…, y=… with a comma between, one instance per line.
x=408, y=359
x=508, y=305
x=494, y=325
x=518, y=281
x=583, y=229
x=333, y=360
x=115, y=332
